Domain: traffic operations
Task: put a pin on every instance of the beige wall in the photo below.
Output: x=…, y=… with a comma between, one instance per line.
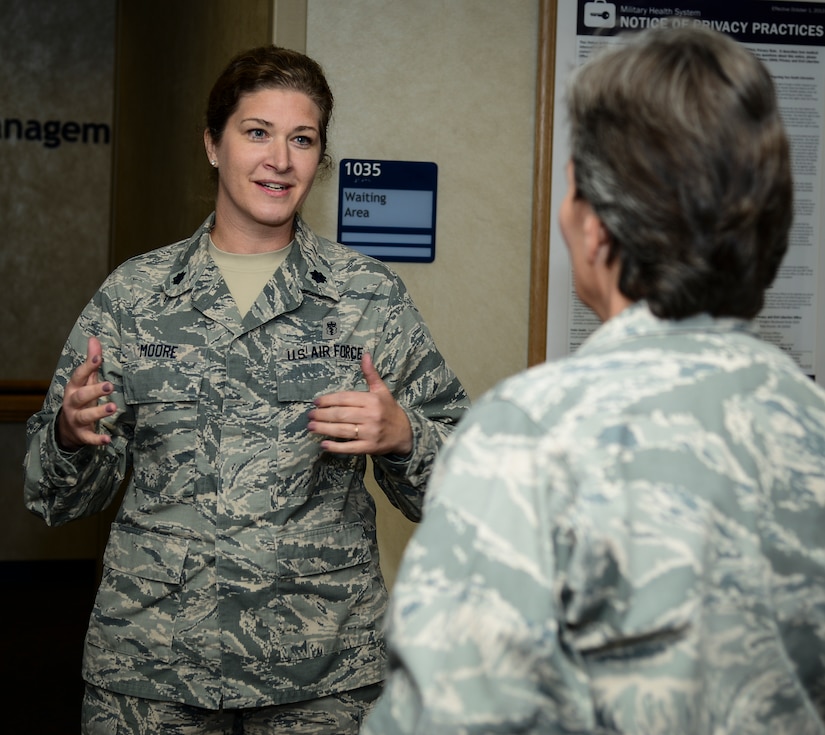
x=454, y=83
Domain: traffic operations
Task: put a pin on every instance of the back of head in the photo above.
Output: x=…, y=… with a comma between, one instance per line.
x=678, y=145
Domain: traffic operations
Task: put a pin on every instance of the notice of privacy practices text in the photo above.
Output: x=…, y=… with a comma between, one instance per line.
x=789, y=37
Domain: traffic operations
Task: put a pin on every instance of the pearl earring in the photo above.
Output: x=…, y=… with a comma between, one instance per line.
x=214, y=162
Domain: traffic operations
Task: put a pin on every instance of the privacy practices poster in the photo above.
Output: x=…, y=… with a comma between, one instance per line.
x=789, y=37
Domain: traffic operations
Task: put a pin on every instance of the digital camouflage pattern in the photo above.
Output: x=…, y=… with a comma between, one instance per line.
x=629, y=540
x=242, y=567
x=106, y=712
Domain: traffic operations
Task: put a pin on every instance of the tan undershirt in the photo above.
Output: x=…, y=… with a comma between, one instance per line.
x=246, y=275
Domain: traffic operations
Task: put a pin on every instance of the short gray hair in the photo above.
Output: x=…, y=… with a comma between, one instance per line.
x=678, y=144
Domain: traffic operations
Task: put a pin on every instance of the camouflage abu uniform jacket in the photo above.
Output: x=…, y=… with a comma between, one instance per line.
x=242, y=567
x=629, y=540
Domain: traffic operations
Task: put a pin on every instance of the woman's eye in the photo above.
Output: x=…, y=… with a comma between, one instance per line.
x=257, y=133
x=304, y=140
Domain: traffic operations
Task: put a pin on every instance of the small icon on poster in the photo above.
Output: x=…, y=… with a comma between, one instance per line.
x=599, y=14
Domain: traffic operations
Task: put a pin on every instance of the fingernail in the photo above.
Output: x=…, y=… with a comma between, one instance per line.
x=107, y=387
x=110, y=408
x=95, y=359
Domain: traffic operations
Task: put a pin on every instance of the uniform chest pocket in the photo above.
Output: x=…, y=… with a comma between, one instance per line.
x=165, y=397
x=304, y=380
x=147, y=382
x=298, y=384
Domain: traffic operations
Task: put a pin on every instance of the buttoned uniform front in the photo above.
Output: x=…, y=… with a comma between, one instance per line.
x=241, y=569
x=629, y=540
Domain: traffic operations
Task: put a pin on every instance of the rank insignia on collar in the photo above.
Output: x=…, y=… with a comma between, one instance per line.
x=318, y=277
x=178, y=278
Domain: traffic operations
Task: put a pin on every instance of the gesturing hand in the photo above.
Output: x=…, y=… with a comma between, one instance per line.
x=362, y=422
x=78, y=417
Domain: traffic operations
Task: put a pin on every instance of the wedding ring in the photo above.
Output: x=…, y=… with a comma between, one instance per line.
x=356, y=430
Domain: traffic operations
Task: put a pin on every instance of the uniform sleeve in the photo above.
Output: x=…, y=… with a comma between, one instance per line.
x=63, y=486
x=473, y=636
x=427, y=389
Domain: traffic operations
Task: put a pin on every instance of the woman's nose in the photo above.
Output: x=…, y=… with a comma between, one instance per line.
x=278, y=156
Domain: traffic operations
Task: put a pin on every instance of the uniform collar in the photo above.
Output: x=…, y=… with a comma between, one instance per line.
x=310, y=267
x=638, y=321
x=191, y=262
x=305, y=266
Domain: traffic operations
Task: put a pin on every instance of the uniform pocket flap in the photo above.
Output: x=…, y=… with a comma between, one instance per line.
x=303, y=381
x=145, y=554
x=322, y=550
x=167, y=382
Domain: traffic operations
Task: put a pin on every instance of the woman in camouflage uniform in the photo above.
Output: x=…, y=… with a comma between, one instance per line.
x=241, y=377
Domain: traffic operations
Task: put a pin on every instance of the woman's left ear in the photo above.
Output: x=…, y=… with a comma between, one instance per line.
x=210, y=149
x=597, y=238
